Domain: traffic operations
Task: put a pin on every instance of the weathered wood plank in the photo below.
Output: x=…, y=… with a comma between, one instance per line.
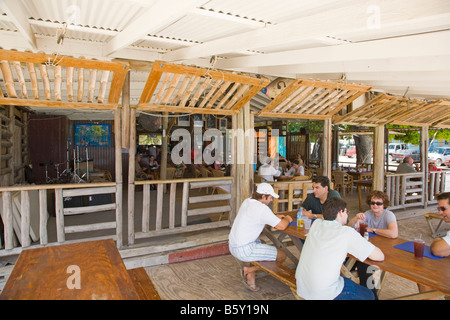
x=214, y=197
x=200, y=211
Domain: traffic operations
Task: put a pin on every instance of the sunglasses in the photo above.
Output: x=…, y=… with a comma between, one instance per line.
x=378, y=203
x=442, y=208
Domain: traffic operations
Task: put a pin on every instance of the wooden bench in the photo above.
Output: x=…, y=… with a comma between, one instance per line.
x=430, y=216
x=281, y=273
x=143, y=284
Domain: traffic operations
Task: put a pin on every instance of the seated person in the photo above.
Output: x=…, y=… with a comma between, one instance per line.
x=180, y=167
x=313, y=204
x=441, y=246
x=140, y=172
x=299, y=158
x=254, y=213
x=267, y=171
x=328, y=243
x=406, y=166
x=379, y=221
x=152, y=165
x=296, y=169
x=432, y=166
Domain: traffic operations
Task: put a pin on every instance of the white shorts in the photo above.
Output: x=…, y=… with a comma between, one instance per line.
x=254, y=251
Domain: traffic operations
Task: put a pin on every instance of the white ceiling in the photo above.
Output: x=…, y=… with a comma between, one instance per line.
x=401, y=47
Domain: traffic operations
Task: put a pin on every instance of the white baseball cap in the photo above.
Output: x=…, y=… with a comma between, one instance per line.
x=265, y=188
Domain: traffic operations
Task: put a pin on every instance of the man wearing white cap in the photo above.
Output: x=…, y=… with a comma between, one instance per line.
x=244, y=244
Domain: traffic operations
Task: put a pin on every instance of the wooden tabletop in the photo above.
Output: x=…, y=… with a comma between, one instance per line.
x=429, y=272
x=293, y=231
x=284, y=178
x=90, y=270
x=426, y=271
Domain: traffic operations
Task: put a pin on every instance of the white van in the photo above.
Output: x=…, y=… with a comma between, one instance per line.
x=395, y=147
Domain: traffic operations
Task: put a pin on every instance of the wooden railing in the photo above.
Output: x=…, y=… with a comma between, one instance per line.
x=291, y=193
x=218, y=203
x=18, y=202
x=408, y=189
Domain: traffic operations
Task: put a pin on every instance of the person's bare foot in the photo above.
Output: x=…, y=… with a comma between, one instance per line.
x=250, y=278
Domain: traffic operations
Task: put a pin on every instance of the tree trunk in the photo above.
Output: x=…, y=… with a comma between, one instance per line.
x=364, y=148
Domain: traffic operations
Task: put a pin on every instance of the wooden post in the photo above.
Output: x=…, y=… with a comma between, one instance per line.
x=25, y=218
x=118, y=171
x=131, y=175
x=327, y=148
x=378, y=159
x=164, y=149
x=234, y=189
x=424, y=163
x=59, y=212
x=249, y=139
x=243, y=135
x=43, y=218
x=7, y=218
x=126, y=112
x=11, y=127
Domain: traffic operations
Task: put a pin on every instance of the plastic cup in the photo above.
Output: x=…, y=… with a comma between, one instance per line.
x=307, y=223
x=362, y=228
x=419, y=247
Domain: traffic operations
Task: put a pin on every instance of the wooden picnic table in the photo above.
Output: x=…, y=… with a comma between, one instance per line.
x=296, y=236
x=82, y=271
x=426, y=271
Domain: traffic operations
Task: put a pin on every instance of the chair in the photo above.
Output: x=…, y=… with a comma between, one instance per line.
x=179, y=173
x=217, y=173
x=170, y=173
x=301, y=178
x=342, y=180
x=309, y=173
x=205, y=174
x=319, y=172
x=258, y=178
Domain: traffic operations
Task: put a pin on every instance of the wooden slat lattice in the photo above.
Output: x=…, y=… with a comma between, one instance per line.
x=309, y=99
x=41, y=80
x=384, y=109
x=178, y=88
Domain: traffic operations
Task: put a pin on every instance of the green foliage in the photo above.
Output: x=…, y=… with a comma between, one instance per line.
x=410, y=136
x=413, y=136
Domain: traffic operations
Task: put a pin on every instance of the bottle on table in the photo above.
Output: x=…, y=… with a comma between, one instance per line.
x=300, y=221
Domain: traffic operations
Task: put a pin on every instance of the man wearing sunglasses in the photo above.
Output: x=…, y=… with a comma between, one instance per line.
x=441, y=246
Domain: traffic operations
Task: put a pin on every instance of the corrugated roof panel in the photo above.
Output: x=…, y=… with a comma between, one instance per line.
x=201, y=28
x=84, y=12
x=269, y=11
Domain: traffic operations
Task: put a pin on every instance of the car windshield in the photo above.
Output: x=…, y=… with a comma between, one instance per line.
x=439, y=150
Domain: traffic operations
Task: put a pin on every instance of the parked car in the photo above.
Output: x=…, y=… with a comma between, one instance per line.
x=413, y=152
x=395, y=147
x=351, y=151
x=440, y=155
